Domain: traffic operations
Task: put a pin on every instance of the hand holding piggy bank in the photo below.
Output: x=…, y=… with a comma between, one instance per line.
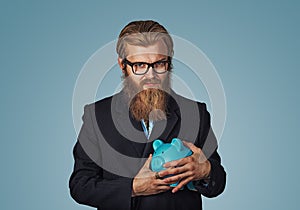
x=166, y=152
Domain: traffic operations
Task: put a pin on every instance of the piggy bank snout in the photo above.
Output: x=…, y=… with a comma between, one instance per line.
x=157, y=163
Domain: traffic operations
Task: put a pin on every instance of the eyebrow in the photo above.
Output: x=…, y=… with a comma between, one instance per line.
x=163, y=59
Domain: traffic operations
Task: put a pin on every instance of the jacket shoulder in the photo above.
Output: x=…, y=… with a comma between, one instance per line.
x=187, y=101
x=103, y=102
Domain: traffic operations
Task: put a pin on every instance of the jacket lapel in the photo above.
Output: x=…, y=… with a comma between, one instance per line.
x=130, y=129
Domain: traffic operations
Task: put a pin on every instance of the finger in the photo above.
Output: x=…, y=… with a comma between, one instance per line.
x=191, y=146
x=160, y=182
x=177, y=163
x=181, y=168
x=181, y=184
x=170, y=164
x=165, y=189
x=174, y=171
x=148, y=161
x=178, y=177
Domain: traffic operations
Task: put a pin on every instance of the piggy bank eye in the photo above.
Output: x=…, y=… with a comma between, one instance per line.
x=162, y=152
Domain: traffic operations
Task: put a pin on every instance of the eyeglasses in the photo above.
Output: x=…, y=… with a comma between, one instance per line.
x=141, y=68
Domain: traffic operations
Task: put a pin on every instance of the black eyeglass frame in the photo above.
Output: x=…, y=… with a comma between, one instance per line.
x=168, y=61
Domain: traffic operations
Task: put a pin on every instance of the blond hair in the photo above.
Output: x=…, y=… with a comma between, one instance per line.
x=143, y=33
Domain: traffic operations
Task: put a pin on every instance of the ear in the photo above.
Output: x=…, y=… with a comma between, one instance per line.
x=121, y=65
x=157, y=143
x=177, y=143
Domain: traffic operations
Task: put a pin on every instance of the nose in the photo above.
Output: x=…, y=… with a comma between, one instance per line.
x=157, y=164
x=150, y=73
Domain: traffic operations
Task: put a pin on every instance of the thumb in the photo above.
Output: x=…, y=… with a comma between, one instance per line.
x=148, y=161
x=191, y=146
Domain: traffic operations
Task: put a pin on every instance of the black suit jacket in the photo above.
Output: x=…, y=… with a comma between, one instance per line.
x=112, y=147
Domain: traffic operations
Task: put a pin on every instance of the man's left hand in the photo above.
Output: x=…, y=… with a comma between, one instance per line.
x=194, y=167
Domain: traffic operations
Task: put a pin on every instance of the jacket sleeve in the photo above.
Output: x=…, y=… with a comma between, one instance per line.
x=87, y=185
x=208, y=143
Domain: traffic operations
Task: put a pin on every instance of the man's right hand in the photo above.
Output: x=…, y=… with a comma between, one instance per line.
x=145, y=182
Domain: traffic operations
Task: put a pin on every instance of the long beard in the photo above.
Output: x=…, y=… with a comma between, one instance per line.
x=148, y=104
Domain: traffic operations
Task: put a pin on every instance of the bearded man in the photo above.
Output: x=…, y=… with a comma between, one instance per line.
x=114, y=147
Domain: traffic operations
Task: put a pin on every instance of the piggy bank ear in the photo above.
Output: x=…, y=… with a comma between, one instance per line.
x=157, y=144
x=177, y=143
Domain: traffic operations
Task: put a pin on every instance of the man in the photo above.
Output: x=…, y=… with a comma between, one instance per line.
x=114, y=147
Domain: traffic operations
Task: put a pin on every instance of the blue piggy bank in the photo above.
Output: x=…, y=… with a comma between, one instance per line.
x=166, y=152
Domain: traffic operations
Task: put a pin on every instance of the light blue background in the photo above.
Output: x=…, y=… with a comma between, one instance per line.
x=253, y=44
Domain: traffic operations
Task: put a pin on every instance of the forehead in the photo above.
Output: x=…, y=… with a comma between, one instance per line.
x=149, y=53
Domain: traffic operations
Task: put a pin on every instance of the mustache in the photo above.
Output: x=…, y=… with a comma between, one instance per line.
x=154, y=81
